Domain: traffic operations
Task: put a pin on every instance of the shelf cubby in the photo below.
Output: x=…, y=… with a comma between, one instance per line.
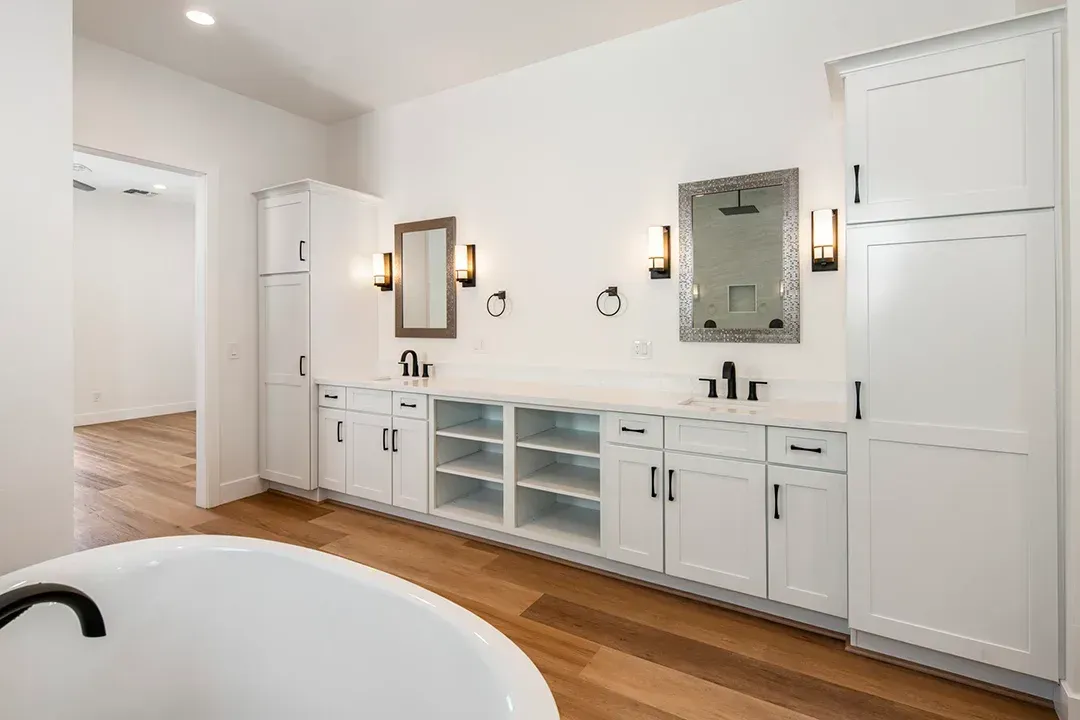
x=558, y=431
x=569, y=475
x=469, y=462
x=557, y=519
x=469, y=500
x=469, y=421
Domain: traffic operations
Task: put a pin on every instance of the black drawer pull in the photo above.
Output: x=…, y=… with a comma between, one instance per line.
x=385, y=432
x=671, y=486
x=331, y=397
x=408, y=405
x=776, y=501
x=393, y=440
x=626, y=429
x=653, y=481
x=802, y=449
x=339, y=424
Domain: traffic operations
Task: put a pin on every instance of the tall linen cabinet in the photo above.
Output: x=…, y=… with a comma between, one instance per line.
x=952, y=233
x=316, y=314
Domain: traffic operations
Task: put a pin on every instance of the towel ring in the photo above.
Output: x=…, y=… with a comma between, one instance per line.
x=613, y=292
x=500, y=295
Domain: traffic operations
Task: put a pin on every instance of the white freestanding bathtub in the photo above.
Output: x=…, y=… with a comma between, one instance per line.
x=222, y=628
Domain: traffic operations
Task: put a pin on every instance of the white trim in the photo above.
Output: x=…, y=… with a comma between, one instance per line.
x=1052, y=19
x=133, y=413
x=241, y=488
x=1028, y=684
x=317, y=187
x=1067, y=702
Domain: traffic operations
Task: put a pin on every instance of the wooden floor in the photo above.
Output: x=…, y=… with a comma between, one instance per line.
x=609, y=649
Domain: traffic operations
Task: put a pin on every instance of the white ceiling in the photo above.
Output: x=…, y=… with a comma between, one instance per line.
x=333, y=59
x=115, y=176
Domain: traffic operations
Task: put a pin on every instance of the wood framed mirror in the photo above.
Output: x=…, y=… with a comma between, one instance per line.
x=424, y=292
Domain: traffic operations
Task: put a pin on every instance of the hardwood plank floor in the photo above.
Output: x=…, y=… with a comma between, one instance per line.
x=610, y=650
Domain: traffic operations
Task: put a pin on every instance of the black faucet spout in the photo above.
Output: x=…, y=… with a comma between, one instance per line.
x=15, y=602
x=729, y=375
x=415, y=363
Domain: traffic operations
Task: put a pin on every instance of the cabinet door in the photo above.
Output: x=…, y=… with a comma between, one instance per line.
x=808, y=539
x=332, y=450
x=284, y=234
x=714, y=524
x=959, y=132
x=285, y=402
x=632, y=522
x=369, y=457
x=409, y=446
x=952, y=472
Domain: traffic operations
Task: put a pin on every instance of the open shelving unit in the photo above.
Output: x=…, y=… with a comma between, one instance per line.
x=470, y=467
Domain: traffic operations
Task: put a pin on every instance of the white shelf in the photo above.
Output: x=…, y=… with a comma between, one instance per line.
x=483, y=507
x=567, y=526
x=572, y=480
x=564, y=440
x=479, y=465
x=483, y=430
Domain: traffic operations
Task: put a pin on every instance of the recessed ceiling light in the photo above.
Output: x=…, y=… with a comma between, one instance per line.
x=200, y=18
x=160, y=187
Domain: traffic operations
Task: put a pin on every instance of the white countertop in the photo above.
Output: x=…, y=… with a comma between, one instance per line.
x=808, y=415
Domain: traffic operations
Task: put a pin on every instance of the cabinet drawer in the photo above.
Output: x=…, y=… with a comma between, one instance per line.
x=372, y=401
x=808, y=448
x=410, y=405
x=640, y=430
x=332, y=396
x=708, y=437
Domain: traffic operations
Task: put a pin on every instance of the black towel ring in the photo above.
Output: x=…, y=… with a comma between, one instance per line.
x=613, y=292
x=501, y=295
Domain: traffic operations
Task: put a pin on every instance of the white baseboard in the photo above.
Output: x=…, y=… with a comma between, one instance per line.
x=133, y=413
x=241, y=488
x=1067, y=702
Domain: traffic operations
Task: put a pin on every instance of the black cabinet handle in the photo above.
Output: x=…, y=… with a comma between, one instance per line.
x=776, y=501
x=339, y=426
x=331, y=397
x=304, y=259
x=802, y=449
x=671, y=486
x=857, y=200
x=653, y=481
x=626, y=429
x=393, y=440
x=385, y=431
x=858, y=400
x=408, y=405
x=302, y=371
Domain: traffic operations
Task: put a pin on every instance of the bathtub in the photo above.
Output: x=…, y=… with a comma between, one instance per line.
x=202, y=628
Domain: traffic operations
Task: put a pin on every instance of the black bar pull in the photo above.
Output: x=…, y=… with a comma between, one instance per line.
x=331, y=397
x=385, y=431
x=408, y=405
x=626, y=429
x=857, y=200
x=858, y=400
x=671, y=485
x=653, y=481
x=304, y=259
x=802, y=449
x=302, y=371
x=339, y=426
x=776, y=501
x=393, y=440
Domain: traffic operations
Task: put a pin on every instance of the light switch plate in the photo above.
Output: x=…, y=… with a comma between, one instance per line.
x=234, y=351
x=642, y=349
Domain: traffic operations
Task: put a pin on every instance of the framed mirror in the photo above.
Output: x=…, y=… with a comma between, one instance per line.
x=739, y=259
x=425, y=297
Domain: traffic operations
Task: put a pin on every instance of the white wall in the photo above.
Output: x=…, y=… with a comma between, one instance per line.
x=129, y=106
x=134, y=306
x=35, y=282
x=555, y=171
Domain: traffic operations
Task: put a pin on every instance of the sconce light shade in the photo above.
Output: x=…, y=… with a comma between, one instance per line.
x=660, y=252
x=465, y=265
x=382, y=270
x=824, y=243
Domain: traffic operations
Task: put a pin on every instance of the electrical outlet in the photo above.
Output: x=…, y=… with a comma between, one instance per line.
x=96, y=396
x=478, y=345
x=234, y=351
x=642, y=349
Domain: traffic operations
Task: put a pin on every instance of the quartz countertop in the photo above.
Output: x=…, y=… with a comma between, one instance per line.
x=781, y=413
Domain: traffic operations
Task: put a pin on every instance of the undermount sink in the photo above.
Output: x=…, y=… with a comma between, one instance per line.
x=733, y=407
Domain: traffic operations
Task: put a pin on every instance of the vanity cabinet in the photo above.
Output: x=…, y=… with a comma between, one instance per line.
x=807, y=517
x=956, y=132
x=409, y=448
x=371, y=463
x=333, y=450
x=284, y=227
x=633, y=526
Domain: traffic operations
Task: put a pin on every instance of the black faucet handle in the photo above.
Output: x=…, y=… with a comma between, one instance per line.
x=426, y=366
x=712, y=386
x=753, y=389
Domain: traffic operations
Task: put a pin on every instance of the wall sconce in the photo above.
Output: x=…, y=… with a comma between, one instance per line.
x=660, y=252
x=824, y=242
x=382, y=270
x=465, y=265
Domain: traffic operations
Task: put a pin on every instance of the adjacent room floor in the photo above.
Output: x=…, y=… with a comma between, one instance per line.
x=608, y=648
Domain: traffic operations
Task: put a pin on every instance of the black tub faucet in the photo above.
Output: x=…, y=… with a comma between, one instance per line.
x=405, y=364
x=15, y=602
x=729, y=375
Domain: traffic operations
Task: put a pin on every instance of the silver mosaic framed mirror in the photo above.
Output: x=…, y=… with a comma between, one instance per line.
x=739, y=259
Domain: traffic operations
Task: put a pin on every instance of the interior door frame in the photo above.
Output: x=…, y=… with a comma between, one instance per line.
x=208, y=365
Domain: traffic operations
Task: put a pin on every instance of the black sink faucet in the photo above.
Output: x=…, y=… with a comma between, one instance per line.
x=405, y=364
x=15, y=602
x=729, y=375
